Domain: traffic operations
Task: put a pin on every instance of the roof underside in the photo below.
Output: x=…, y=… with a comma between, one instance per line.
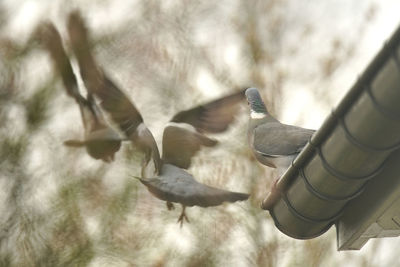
x=350, y=148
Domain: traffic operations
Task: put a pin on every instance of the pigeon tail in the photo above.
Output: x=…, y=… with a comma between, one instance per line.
x=236, y=196
x=74, y=143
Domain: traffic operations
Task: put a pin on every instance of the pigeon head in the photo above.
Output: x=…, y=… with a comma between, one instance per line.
x=257, y=106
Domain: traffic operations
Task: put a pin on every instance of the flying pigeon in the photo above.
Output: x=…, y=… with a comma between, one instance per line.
x=112, y=100
x=100, y=140
x=182, y=138
x=175, y=184
x=273, y=143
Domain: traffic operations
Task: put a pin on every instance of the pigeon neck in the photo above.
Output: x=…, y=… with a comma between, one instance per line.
x=258, y=110
x=148, y=145
x=257, y=115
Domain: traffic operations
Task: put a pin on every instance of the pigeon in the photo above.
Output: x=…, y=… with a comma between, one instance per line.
x=112, y=100
x=175, y=184
x=183, y=137
x=273, y=143
x=101, y=141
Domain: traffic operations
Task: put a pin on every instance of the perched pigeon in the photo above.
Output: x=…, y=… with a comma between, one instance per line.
x=182, y=138
x=274, y=144
x=100, y=140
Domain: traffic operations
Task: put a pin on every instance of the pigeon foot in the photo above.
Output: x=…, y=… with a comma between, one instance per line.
x=183, y=216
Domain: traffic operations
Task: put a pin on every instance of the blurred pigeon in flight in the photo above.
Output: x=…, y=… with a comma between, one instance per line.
x=174, y=184
x=182, y=138
x=112, y=100
x=100, y=140
x=274, y=144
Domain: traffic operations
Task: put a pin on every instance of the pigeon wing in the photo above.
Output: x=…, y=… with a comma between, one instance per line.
x=91, y=74
x=50, y=37
x=180, y=144
x=107, y=140
x=213, y=117
x=121, y=110
x=112, y=100
x=276, y=139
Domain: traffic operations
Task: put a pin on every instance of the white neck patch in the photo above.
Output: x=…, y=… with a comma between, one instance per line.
x=257, y=115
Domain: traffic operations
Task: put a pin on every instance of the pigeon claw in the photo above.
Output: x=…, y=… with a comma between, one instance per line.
x=183, y=216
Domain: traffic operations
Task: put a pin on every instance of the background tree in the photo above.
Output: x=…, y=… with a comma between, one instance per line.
x=61, y=207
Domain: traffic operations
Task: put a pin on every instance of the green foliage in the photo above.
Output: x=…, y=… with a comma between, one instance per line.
x=11, y=150
x=37, y=106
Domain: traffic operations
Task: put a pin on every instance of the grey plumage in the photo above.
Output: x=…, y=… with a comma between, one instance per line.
x=175, y=184
x=273, y=143
x=100, y=140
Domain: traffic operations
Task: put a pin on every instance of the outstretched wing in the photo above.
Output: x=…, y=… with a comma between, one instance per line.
x=180, y=144
x=50, y=37
x=122, y=111
x=101, y=141
x=112, y=100
x=213, y=117
x=91, y=74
